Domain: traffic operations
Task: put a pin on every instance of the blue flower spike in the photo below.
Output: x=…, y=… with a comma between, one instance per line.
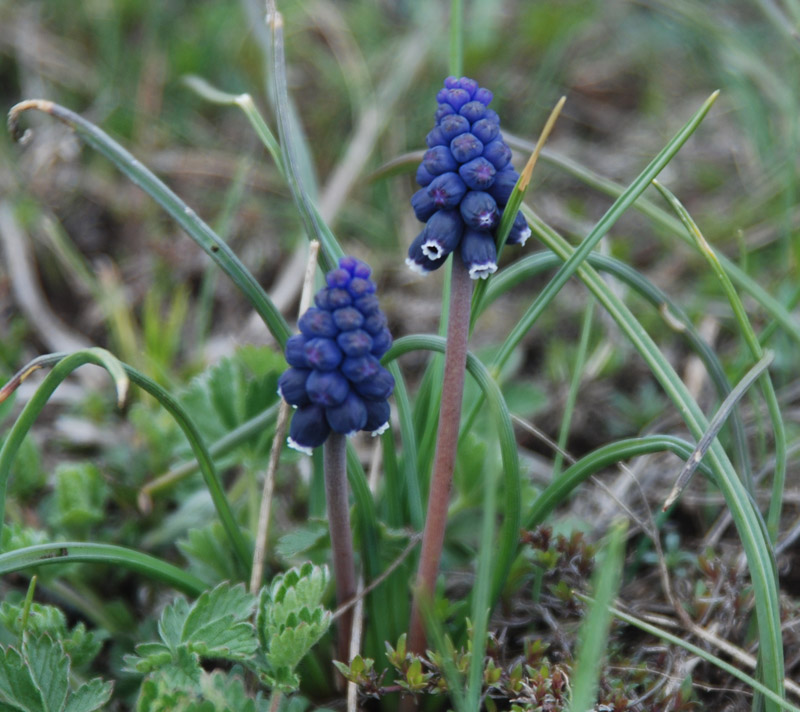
x=465, y=180
x=335, y=381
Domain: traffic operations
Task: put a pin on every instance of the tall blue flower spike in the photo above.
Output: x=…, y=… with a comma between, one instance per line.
x=465, y=180
x=335, y=380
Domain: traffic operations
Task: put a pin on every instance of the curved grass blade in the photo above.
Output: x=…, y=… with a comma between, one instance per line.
x=69, y=552
x=749, y=334
x=559, y=490
x=63, y=365
x=747, y=518
x=534, y=264
x=507, y=544
x=671, y=224
x=593, y=635
x=198, y=230
x=715, y=426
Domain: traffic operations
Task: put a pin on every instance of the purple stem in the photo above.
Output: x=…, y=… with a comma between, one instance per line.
x=455, y=362
x=344, y=570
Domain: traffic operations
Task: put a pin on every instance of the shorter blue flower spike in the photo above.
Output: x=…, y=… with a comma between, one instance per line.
x=447, y=190
x=317, y=322
x=486, y=130
x=479, y=254
x=355, y=343
x=520, y=231
x=323, y=354
x=465, y=147
x=292, y=386
x=295, y=352
x=503, y=185
x=479, y=211
x=497, y=153
x=478, y=174
x=342, y=338
x=442, y=234
x=438, y=160
x=378, y=387
x=377, y=416
x=327, y=387
x=309, y=428
x=348, y=417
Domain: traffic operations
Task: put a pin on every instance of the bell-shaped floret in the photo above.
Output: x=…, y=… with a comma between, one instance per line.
x=295, y=351
x=503, y=185
x=435, y=138
x=453, y=125
x=442, y=111
x=468, y=85
x=377, y=416
x=327, y=387
x=457, y=98
x=292, y=386
x=355, y=267
x=381, y=342
x=478, y=174
x=423, y=203
x=338, y=278
x=360, y=368
x=348, y=417
x=486, y=130
x=355, y=343
x=473, y=111
x=378, y=387
x=438, y=160
x=484, y=96
x=447, y=190
x=309, y=428
x=348, y=318
x=497, y=153
x=418, y=261
x=466, y=147
x=442, y=234
x=423, y=177
x=479, y=210
x=479, y=253
x=317, y=322
x=359, y=287
x=323, y=354
x=520, y=231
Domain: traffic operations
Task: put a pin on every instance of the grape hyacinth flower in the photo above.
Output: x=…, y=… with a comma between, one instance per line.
x=466, y=179
x=335, y=379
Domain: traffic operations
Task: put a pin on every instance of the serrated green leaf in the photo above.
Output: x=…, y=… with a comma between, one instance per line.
x=170, y=625
x=217, y=625
x=90, y=696
x=48, y=667
x=16, y=687
x=301, y=540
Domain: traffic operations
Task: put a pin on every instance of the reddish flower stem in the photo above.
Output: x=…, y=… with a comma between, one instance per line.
x=344, y=570
x=455, y=362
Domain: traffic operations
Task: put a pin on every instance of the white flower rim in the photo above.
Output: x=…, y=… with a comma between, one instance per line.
x=482, y=271
x=524, y=235
x=416, y=267
x=297, y=446
x=379, y=431
x=432, y=250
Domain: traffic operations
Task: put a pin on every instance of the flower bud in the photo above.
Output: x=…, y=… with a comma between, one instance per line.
x=349, y=416
x=478, y=174
x=327, y=387
x=479, y=254
x=479, y=210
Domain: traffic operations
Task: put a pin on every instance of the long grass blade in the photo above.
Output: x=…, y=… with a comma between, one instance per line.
x=68, y=552
x=593, y=635
x=187, y=218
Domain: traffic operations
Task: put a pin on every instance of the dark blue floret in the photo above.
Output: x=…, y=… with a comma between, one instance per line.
x=438, y=160
x=423, y=177
x=504, y=182
x=479, y=211
x=442, y=234
x=327, y=387
x=465, y=147
x=447, y=190
x=295, y=353
x=348, y=417
x=473, y=111
x=423, y=203
x=442, y=111
x=292, y=386
x=520, y=231
x=337, y=351
x=309, y=428
x=478, y=174
x=453, y=125
x=479, y=254
x=497, y=153
x=418, y=261
x=435, y=138
x=486, y=130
